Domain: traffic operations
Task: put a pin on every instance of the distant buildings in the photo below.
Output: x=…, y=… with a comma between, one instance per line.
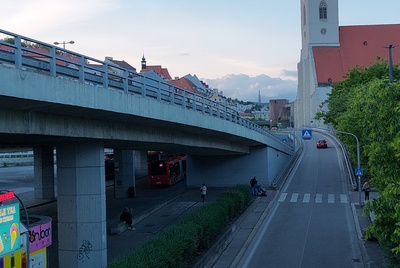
x=259, y=112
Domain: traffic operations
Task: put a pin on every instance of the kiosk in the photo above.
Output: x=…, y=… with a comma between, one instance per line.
x=22, y=245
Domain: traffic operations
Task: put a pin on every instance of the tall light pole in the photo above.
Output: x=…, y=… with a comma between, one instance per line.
x=63, y=43
x=358, y=162
x=390, y=47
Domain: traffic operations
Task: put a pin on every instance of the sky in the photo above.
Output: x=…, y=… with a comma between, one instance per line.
x=212, y=39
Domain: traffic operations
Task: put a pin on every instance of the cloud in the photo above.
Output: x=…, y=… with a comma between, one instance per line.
x=289, y=73
x=246, y=88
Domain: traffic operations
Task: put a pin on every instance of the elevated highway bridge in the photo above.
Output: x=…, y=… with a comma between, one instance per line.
x=54, y=98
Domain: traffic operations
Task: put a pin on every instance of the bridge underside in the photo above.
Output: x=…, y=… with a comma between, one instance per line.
x=30, y=128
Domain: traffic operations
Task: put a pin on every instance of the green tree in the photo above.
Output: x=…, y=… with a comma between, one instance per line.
x=341, y=92
x=367, y=105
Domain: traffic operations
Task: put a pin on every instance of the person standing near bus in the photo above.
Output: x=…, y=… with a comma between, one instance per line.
x=203, y=191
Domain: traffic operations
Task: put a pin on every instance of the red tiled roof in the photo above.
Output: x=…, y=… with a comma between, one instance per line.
x=185, y=84
x=359, y=46
x=163, y=72
x=66, y=56
x=123, y=64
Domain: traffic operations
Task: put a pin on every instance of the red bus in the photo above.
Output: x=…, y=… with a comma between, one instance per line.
x=166, y=172
x=109, y=166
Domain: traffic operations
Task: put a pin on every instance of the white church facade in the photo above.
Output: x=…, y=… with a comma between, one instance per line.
x=330, y=51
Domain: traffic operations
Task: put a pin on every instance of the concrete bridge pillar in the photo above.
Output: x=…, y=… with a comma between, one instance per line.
x=82, y=232
x=43, y=169
x=124, y=168
x=141, y=163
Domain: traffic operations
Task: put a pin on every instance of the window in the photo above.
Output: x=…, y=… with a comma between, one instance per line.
x=323, y=14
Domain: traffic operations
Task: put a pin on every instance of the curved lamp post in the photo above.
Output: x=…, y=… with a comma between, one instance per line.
x=358, y=157
x=63, y=43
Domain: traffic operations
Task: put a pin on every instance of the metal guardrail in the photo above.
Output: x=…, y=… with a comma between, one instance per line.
x=346, y=161
x=280, y=179
x=347, y=164
x=30, y=54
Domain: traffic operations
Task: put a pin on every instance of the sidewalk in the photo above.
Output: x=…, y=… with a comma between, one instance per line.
x=153, y=210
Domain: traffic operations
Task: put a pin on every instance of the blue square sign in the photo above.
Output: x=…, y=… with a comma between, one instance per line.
x=306, y=134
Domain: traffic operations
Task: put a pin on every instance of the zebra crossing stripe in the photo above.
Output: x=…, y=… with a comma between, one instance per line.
x=306, y=198
x=294, y=198
x=318, y=198
x=282, y=197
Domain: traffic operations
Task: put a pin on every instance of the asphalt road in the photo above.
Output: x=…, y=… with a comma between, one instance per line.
x=311, y=222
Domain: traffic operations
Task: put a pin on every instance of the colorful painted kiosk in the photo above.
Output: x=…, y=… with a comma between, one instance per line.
x=14, y=236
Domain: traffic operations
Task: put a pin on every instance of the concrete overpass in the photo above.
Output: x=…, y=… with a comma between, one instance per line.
x=55, y=98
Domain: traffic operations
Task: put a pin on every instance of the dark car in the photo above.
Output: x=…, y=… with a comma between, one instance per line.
x=322, y=144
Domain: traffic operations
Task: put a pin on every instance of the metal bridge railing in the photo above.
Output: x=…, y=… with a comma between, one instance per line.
x=30, y=54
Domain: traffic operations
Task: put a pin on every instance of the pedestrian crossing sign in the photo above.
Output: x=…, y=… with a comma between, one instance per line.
x=306, y=134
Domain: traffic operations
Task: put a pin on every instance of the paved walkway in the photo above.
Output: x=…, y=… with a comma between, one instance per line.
x=155, y=209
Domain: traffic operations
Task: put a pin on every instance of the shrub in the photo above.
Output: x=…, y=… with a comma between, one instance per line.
x=177, y=245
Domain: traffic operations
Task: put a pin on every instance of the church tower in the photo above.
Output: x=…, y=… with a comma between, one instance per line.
x=143, y=63
x=319, y=23
x=319, y=27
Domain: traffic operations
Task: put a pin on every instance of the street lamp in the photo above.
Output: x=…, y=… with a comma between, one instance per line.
x=390, y=47
x=358, y=161
x=63, y=43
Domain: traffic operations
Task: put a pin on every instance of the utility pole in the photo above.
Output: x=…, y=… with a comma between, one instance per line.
x=390, y=47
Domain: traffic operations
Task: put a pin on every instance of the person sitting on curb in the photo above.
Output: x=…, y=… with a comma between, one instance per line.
x=126, y=216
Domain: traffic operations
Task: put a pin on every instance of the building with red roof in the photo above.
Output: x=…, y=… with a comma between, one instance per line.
x=162, y=72
x=330, y=51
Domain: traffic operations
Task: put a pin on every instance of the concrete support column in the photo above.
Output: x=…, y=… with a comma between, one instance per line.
x=124, y=165
x=81, y=205
x=141, y=163
x=43, y=169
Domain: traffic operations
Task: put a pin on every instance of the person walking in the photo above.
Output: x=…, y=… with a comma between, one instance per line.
x=126, y=216
x=203, y=191
x=366, y=189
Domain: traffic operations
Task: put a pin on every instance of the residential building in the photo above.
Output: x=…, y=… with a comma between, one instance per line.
x=279, y=111
x=114, y=64
x=162, y=72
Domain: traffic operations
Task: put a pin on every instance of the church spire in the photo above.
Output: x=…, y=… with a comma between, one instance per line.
x=143, y=62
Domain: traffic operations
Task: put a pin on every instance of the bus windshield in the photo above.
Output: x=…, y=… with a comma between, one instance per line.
x=158, y=168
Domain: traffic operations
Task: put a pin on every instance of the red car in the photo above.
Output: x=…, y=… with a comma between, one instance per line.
x=322, y=144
